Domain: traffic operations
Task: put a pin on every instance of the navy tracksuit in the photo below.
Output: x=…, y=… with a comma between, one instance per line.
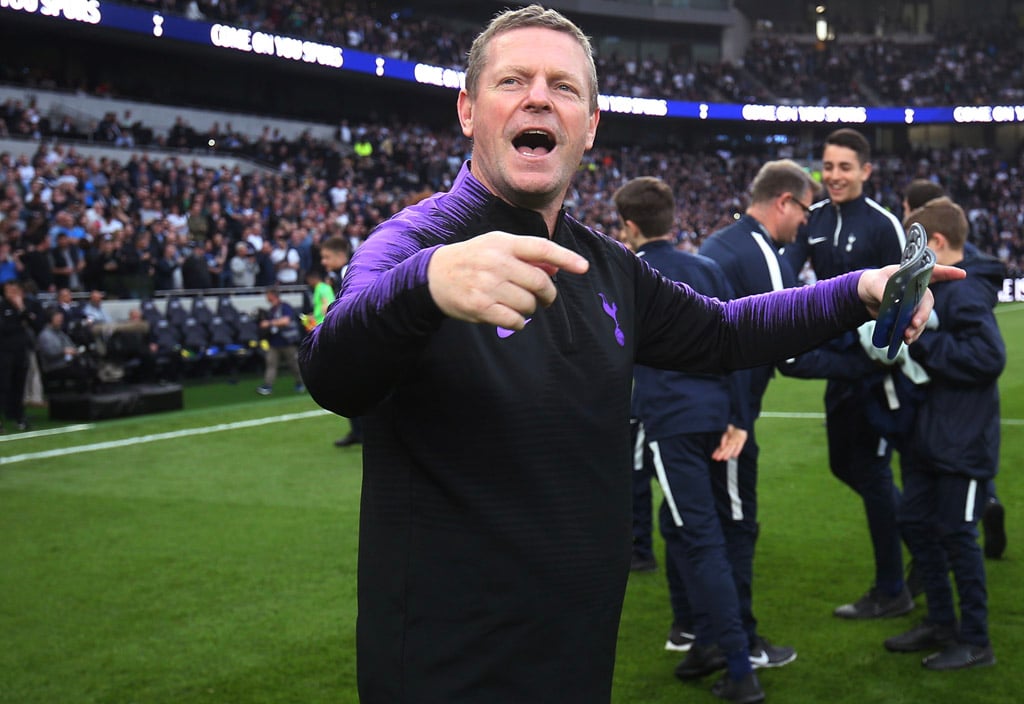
x=841, y=238
x=955, y=448
x=751, y=262
x=683, y=417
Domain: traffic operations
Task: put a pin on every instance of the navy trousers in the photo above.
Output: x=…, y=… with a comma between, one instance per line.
x=939, y=519
x=643, y=473
x=734, y=485
x=695, y=546
x=861, y=459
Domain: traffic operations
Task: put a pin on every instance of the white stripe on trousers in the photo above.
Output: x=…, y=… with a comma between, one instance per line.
x=638, y=447
x=972, y=495
x=732, y=482
x=659, y=469
x=732, y=478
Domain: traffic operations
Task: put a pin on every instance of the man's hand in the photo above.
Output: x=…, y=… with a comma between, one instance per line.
x=498, y=278
x=871, y=288
x=731, y=444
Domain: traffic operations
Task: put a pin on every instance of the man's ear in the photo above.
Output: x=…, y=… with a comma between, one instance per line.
x=937, y=242
x=465, y=110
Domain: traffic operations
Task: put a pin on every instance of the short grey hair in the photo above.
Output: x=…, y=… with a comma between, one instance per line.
x=530, y=16
x=778, y=177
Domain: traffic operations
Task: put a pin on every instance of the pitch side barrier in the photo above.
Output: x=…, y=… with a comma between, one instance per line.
x=1012, y=291
x=92, y=15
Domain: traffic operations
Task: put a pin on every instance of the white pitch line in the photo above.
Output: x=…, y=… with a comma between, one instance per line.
x=256, y=422
x=43, y=433
x=780, y=414
x=142, y=439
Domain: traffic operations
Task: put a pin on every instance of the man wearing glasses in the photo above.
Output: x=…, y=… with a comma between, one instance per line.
x=845, y=232
x=748, y=253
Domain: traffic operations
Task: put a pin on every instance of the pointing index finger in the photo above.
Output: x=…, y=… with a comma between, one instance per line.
x=549, y=256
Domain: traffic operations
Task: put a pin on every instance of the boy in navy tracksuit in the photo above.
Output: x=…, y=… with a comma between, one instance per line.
x=695, y=427
x=954, y=449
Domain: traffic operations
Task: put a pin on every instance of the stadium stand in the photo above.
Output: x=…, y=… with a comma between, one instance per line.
x=152, y=196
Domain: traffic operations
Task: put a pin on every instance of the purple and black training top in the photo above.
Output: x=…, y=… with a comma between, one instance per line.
x=495, y=517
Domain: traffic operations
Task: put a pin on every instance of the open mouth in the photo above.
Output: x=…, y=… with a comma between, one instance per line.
x=535, y=142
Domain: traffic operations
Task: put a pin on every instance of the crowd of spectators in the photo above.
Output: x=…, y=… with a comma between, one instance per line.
x=980, y=64
x=143, y=224
x=152, y=223
x=977, y=65
x=953, y=65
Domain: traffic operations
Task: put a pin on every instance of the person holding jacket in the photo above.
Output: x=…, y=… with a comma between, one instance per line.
x=955, y=448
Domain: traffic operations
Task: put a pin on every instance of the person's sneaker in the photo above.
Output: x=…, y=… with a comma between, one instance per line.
x=264, y=390
x=764, y=654
x=993, y=520
x=745, y=691
x=643, y=563
x=875, y=604
x=702, y=660
x=913, y=580
x=679, y=639
x=923, y=636
x=959, y=656
x=299, y=388
x=349, y=439
x=21, y=425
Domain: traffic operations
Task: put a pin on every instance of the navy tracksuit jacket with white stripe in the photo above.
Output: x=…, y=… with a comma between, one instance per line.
x=751, y=262
x=684, y=416
x=840, y=238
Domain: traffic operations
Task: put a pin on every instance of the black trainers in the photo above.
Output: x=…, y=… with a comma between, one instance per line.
x=993, y=520
x=702, y=660
x=679, y=639
x=923, y=636
x=764, y=654
x=960, y=656
x=347, y=441
x=875, y=604
x=746, y=691
x=643, y=563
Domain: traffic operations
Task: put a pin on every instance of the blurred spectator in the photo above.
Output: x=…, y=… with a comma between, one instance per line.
x=285, y=258
x=137, y=266
x=68, y=263
x=243, y=266
x=194, y=272
x=10, y=263
x=59, y=357
x=102, y=266
x=38, y=266
x=93, y=310
x=168, y=270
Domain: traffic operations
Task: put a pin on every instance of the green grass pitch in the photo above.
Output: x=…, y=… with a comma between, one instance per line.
x=208, y=556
